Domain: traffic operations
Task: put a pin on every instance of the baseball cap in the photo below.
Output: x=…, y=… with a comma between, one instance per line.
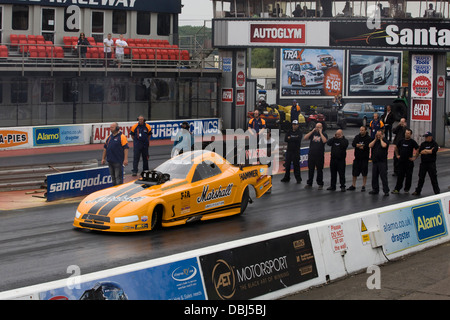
x=427, y=134
x=295, y=122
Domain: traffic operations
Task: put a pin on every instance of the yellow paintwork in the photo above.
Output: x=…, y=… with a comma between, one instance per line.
x=181, y=200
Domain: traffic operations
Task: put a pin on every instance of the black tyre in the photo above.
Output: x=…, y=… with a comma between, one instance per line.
x=244, y=200
x=156, y=219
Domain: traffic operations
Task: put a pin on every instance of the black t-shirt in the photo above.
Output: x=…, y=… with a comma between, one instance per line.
x=432, y=145
x=316, y=146
x=379, y=154
x=406, y=149
x=364, y=153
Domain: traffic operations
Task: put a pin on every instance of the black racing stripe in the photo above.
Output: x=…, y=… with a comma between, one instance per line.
x=206, y=212
x=99, y=205
x=105, y=210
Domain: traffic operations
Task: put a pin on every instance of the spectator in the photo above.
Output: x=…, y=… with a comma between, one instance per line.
x=361, y=162
x=316, y=155
x=293, y=138
x=141, y=133
x=298, y=11
x=184, y=140
x=107, y=49
x=430, y=12
x=375, y=125
x=82, y=46
x=115, y=151
x=339, y=146
x=428, y=150
x=388, y=120
x=121, y=44
x=379, y=147
x=399, y=132
x=405, y=152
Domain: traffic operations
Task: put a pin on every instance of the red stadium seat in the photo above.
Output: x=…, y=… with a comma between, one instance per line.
x=14, y=40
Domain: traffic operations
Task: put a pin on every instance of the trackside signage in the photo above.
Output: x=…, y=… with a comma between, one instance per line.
x=256, y=269
x=276, y=33
x=408, y=227
x=77, y=183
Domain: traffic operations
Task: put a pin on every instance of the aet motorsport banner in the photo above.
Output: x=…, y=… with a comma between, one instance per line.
x=77, y=183
x=311, y=72
x=160, y=129
x=256, y=269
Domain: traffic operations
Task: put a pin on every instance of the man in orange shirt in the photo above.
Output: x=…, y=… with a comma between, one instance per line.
x=115, y=151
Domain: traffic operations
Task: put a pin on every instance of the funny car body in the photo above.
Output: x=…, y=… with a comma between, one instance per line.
x=196, y=185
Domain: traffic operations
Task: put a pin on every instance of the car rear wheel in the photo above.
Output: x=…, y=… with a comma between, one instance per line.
x=244, y=200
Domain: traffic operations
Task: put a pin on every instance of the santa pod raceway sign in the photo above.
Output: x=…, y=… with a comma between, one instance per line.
x=399, y=34
x=278, y=33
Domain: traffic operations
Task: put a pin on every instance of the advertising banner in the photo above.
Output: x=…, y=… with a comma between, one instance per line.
x=160, y=129
x=179, y=280
x=421, y=76
x=411, y=226
x=395, y=34
x=58, y=135
x=11, y=138
x=77, y=183
x=259, y=268
x=374, y=73
x=311, y=72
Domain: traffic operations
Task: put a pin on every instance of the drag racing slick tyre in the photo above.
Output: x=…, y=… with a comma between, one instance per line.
x=244, y=200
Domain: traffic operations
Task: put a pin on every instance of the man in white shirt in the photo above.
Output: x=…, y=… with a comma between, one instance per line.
x=120, y=45
x=108, y=43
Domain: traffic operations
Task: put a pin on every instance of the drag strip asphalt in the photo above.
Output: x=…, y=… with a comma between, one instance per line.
x=38, y=245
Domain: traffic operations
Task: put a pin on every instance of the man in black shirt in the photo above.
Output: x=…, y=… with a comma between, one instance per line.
x=379, y=147
x=427, y=151
x=293, y=138
x=339, y=146
x=399, y=132
x=361, y=162
x=405, y=154
x=316, y=155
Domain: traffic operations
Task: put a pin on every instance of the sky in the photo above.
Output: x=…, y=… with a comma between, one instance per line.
x=195, y=12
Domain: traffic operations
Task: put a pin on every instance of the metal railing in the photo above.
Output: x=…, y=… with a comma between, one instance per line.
x=59, y=57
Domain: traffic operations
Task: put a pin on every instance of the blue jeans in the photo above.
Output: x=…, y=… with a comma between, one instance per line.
x=116, y=172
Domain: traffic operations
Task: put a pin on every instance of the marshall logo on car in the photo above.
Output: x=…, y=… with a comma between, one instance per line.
x=278, y=33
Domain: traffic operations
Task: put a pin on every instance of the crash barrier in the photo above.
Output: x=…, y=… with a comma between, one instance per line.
x=267, y=266
x=59, y=135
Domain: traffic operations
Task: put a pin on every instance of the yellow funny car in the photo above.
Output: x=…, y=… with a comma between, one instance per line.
x=196, y=185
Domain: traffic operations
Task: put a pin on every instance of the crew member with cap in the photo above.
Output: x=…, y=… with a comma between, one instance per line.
x=293, y=138
x=428, y=150
x=141, y=133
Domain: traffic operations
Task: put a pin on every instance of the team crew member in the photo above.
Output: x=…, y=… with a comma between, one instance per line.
x=141, y=133
x=405, y=152
x=427, y=151
x=316, y=155
x=115, y=151
x=388, y=120
x=361, y=162
x=375, y=125
x=339, y=146
x=295, y=111
x=379, y=147
x=184, y=140
x=293, y=138
x=256, y=125
x=399, y=132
